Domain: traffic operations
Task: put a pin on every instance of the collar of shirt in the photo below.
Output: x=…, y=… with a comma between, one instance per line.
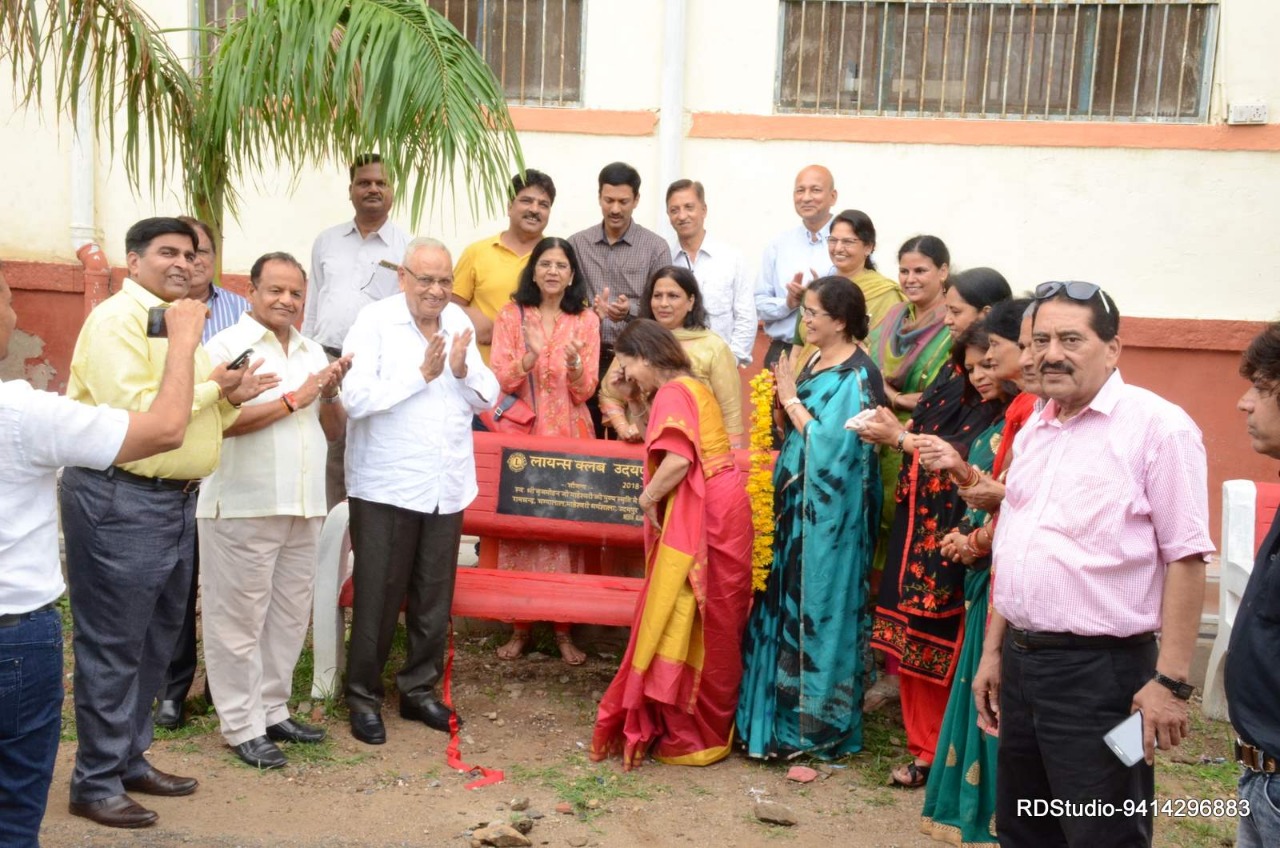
x=709, y=247
x=604, y=237
x=249, y=331
x=142, y=295
x=1104, y=401
x=820, y=237
x=384, y=232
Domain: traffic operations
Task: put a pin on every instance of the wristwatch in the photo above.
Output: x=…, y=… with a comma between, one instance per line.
x=1179, y=688
x=290, y=401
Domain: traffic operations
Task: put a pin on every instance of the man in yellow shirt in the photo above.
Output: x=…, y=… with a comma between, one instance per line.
x=129, y=529
x=488, y=270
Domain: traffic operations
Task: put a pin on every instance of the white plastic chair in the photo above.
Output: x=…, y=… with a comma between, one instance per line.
x=1239, y=546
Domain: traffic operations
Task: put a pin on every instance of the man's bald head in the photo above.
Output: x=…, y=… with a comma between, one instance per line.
x=814, y=195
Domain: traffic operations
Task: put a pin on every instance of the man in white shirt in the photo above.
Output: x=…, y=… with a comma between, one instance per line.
x=259, y=517
x=721, y=271
x=40, y=432
x=795, y=256
x=352, y=265
x=416, y=381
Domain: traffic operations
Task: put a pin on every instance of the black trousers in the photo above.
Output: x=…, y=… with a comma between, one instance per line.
x=1055, y=707
x=399, y=552
x=593, y=402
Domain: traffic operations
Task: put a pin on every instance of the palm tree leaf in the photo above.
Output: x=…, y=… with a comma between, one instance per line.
x=330, y=79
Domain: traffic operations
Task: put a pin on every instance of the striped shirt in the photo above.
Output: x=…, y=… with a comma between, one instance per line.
x=623, y=267
x=1095, y=507
x=225, y=309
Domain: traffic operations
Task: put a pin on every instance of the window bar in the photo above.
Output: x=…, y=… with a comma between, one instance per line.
x=946, y=46
x=882, y=67
x=1048, y=75
x=1004, y=71
x=1030, y=61
x=1182, y=68
x=1164, y=39
x=1068, y=97
x=542, y=54
x=502, y=75
x=564, y=17
x=1115, y=63
x=804, y=8
x=844, y=19
x=1137, y=75
x=524, y=41
x=822, y=57
x=1093, y=59
x=902, y=62
x=986, y=61
x=964, y=70
x=924, y=57
x=862, y=50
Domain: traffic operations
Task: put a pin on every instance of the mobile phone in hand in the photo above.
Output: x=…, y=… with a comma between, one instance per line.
x=240, y=361
x=156, y=328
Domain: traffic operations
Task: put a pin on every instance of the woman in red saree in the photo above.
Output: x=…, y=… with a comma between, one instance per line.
x=675, y=694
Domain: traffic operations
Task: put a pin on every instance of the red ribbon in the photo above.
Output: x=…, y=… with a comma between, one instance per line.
x=453, y=754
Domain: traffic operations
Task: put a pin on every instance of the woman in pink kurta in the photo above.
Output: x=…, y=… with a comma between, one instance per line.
x=546, y=350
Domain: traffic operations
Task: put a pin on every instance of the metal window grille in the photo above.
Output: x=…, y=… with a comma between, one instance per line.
x=533, y=47
x=1116, y=60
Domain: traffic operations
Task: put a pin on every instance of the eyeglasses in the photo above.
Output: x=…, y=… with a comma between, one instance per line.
x=814, y=313
x=844, y=242
x=426, y=281
x=547, y=265
x=1074, y=289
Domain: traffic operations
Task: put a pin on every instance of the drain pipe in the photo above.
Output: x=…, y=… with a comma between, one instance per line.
x=671, y=117
x=84, y=234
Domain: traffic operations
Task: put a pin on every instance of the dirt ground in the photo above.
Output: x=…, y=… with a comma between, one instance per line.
x=533, y=719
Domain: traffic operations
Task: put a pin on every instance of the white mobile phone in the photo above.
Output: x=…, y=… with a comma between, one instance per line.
x=1125, y=740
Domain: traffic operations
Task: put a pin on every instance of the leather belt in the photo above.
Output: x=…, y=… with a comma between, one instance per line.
x=1030, y=640
x=15, y=618
x=187, y=487
x=1255, y=759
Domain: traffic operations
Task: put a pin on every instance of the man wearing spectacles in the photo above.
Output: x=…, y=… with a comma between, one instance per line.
x=1101, y=544
x=352, y=265
x=416, y=381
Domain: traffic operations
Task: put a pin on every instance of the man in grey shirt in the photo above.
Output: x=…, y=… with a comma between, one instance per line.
x=617, y=256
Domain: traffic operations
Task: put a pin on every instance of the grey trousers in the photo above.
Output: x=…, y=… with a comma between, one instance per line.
x=399, y=552
x=129, y=554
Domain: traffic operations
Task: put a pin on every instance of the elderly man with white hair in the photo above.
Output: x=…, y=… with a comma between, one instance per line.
x=416, y=380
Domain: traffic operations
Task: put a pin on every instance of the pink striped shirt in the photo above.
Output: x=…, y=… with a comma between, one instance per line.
x=1095, y=508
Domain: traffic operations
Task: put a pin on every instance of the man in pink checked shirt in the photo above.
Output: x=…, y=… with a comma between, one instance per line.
x=1101, y=547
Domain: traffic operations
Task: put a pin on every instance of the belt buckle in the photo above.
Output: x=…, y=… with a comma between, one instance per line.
x=191, y=487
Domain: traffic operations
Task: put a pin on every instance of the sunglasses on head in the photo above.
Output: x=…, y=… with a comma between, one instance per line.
x=1074, y=289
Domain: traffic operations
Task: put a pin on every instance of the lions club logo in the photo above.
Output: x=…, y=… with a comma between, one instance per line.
x=517, y=462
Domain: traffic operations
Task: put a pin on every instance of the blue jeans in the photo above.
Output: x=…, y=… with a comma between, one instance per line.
x=1261, y=828
x=30, y=722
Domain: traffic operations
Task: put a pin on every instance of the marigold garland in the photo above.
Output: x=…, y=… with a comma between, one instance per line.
x=760, y=478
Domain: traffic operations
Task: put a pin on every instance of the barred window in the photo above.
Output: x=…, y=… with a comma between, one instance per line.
x=1115, y=60
x=533, y=47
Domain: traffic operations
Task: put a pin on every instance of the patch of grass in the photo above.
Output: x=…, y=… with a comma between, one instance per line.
x=320, y=754
x=580, y=783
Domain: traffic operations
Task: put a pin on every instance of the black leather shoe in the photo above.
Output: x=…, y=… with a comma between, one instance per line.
x=292, y=730
x=116, y=811
x=368, y=728
x=169, y=715
x=156, y=782
x=260, y=752
x=433, y=714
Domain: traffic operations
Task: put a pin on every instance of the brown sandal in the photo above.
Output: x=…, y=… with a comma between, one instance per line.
x=569, y=652
x=515, y=647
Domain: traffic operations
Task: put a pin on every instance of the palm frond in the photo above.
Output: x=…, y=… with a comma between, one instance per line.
x=329, y=79
x=113, y=50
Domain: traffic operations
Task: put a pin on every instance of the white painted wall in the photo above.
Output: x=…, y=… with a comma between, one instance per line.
x=1173, y=233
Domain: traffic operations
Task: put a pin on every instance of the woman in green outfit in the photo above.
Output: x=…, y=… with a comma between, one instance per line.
x=960, y=797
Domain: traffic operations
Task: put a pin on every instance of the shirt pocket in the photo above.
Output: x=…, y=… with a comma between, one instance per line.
x=718, y=301
x=1093, y=510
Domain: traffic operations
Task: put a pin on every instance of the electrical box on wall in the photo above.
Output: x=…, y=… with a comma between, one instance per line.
x=1247, y=112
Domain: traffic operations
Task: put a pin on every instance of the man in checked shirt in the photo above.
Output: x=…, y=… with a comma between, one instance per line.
x=1101, y=545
